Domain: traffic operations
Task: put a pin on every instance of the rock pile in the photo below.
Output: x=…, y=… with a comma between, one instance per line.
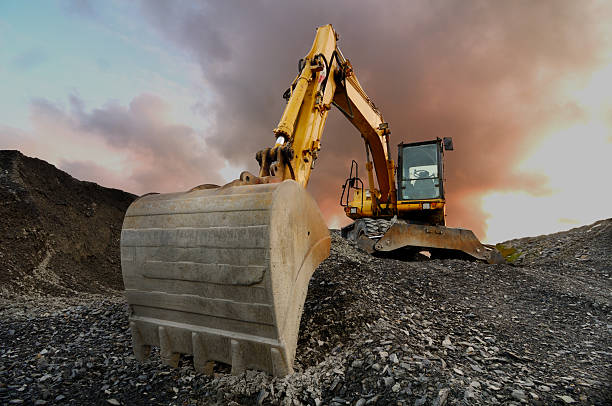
x=580, y=256
x=58, y=235
x=374, y=332
x=443, y=332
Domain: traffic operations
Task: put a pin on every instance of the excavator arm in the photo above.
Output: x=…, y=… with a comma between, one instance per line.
x=326, y=78
x=359, y=109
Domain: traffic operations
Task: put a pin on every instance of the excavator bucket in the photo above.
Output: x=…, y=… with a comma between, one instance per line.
x=402, y=234
x=222, y=273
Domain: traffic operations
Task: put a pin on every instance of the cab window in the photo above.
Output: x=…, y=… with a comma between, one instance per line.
x=420, y=172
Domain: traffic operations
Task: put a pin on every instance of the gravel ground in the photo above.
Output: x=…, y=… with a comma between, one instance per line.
x=374, y=332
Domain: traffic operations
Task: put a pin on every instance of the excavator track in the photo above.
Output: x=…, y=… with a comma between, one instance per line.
x=377, y=226
x=367, y=227
x=222, y=273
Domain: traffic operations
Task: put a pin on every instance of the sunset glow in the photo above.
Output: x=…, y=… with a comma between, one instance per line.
x=575, y=159
x=163, y=96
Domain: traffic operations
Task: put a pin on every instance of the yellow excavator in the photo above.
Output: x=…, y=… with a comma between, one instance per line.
x=415, y=221
x=221, y=272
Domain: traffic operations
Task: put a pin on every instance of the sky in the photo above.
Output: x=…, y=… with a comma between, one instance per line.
x=165, y=95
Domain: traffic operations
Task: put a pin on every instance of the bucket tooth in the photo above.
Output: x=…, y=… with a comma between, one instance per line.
x=238, y=364
x=222, y=273
x=279, y=366
x=168, y=356
x=198, y=349
x=141, y=350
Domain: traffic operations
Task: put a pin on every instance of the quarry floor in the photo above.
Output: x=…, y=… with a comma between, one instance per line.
x=374, y=331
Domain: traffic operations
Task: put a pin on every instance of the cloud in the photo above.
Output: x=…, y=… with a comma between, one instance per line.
x=488, y=74
x=88, y=170
x=29, y=59
x=82, y=8
x=485, y=73
x=12, y=138
x=135, y=147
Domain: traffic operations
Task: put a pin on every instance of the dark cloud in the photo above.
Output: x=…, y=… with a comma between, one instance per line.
x=482, y=72
x=158, y=155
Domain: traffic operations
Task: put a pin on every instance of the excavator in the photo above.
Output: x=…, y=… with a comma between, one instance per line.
x=221, y=272
x=416, y=221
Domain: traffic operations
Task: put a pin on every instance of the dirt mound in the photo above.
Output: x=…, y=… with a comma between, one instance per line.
x=58, y=235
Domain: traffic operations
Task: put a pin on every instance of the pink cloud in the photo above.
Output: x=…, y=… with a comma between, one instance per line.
x=135, y=147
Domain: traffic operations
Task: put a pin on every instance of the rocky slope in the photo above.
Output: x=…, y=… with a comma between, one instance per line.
x=58, y=235
x=374, y=332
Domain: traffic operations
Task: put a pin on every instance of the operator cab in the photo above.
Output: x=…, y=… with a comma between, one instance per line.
x=420, y=170
x=420, y=189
